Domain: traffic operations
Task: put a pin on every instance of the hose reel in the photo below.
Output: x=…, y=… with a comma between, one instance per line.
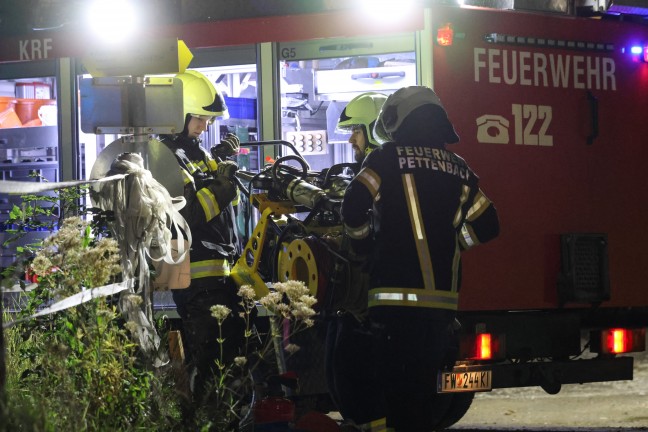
x=307, y=260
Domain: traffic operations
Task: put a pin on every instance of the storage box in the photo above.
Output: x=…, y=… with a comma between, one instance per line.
x=33, y=90
x=241, y=108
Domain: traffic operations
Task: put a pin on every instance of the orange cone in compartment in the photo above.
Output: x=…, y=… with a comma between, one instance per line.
x=7, y=102
x=9, y=119
x=27, y=109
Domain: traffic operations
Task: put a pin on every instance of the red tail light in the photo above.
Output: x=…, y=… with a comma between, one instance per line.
x=482, y=346
x=484, y=349
x=619, y=341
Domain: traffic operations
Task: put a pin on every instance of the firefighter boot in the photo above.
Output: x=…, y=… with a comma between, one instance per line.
x=379, y=425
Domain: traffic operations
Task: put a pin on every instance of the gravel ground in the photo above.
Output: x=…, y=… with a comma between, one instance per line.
x=609, y=406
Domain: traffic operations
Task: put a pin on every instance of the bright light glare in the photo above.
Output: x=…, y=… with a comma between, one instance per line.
x=111, y=20
x=386, y=11
x=636, y=49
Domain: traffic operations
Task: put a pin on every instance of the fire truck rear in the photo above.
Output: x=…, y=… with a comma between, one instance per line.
x=550, y=111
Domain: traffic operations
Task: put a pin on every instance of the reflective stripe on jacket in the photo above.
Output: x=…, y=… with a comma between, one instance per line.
x=209, y=268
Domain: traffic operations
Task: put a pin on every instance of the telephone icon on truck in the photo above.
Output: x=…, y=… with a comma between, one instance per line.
x=493, y=129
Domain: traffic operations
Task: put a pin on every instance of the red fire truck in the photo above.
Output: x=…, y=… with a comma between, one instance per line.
x=550, y=108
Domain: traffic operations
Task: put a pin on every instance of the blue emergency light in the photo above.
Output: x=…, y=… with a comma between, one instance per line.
x=636, y=49
x=638, y=52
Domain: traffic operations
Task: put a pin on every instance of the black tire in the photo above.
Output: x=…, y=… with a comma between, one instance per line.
x=458, y=406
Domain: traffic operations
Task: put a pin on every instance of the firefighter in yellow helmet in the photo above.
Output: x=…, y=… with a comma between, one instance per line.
x=359, y=117
x=426, y=208
x=210, y=193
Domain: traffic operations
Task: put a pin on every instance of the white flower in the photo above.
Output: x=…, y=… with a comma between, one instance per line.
x=270, y=300
x=290, y=299
x=247, y=292
x=308, y=300
x=220, y=312
x=240, y=361
x=293, y=289
x=291, y=348
x=281, y=309
x=301, y=311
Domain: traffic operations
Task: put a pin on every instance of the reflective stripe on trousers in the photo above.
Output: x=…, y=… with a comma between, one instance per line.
x=415, y=297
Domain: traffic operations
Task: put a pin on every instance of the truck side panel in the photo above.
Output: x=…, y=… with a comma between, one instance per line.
x=526, y=115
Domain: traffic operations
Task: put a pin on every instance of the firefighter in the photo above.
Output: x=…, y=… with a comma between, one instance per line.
x=414, y=206
x=358, y=117
x=210, y=193
x=348, y=339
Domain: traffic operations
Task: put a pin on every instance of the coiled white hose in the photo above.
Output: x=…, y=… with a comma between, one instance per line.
x=145, y=217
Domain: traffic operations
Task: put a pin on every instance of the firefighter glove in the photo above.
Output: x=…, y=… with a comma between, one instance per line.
x=224, y=191
x=226, y=169
x=229, y=146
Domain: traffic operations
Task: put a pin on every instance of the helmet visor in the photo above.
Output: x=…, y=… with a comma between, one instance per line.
x=206, y=118
x=346, y=129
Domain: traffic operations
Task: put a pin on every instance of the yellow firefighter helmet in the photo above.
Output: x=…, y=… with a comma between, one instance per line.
x=200, y=97
x=362, y=110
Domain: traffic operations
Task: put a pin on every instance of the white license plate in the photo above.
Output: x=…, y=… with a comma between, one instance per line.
x=450, y=382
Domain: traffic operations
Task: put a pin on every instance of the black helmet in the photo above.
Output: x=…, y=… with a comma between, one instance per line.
x=402, y=103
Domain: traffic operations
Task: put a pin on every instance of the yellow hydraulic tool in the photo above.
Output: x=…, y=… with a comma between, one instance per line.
x=245, y=273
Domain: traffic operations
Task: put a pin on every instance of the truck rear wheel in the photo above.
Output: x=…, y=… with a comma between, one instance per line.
x=458, y=405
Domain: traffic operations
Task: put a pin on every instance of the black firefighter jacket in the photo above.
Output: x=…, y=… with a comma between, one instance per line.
x=414, y=208
x=209, y=211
